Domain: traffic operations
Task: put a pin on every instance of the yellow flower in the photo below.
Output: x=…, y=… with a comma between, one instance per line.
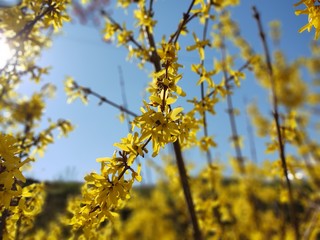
x=132, y=146
x=124, y=36
x=124, y=3
x=162, y=129
x=207, y=104
x=198, y=45
x=10, y=165
x=73, y=91
x=206, y=143
x=58, y=14
x=144, y=19
x=27, y=110
x=313, y=12
x=204, y=74
x=109, y=30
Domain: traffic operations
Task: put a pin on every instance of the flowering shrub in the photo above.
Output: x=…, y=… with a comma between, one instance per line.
x=258, y=202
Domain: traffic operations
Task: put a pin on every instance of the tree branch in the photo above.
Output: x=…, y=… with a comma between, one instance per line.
x=276, y=118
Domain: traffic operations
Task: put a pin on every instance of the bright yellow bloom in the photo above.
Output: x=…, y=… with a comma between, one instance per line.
x=131, y=145
x=205, y=143
x=109, y=30
x=124, y=36
x=28, y=110
x=313, y=12
x=124, y=3
x=204, y=74
x=58, y=14
x=73, y=91
x=207, y=104
x=200, y=45
x=162, y=129
x=144, y=19
x=10, y=165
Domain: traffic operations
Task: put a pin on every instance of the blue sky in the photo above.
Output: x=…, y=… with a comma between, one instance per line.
x=79, y=51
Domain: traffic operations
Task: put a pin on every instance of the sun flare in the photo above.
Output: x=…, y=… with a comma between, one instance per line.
x=5, y=52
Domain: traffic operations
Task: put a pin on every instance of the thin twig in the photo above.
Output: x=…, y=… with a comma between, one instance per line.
x=312, y=225
x=276, y=117
x=126, y=167
x=176, y=144
x=186, y=189
x=205, y=127
x=5, y=213
x=186, y=18
x=103, y=99
x=28, y=27
x=151, y=8
x=131, y=38
x=235, y=136
x=250, y=136
x=306, y=156
x=124, y=96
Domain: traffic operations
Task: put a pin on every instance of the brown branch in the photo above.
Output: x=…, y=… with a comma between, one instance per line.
x=303, y=139
x=5, y=213
x=124, y=96
x=88, y=91
x=155, y=59
x=131, y=38
x=205, y=127
x=276, y=117
x=123, y=171
x=186, y=18
x=312, y=225
x=126, y=167
x=28, y=27
x=151, y=8
x=177, y=148
x=250, y=136
x=186, y=189
x=234, y=131
x=36, y=140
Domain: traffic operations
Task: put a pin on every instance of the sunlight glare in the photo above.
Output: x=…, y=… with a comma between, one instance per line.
x=5, y=52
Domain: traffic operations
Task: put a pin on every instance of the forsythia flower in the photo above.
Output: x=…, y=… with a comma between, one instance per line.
x=144, y=19
x=124, y=36
x=313, y=12
x=204, y=74
x=205, y=105
x=200, y=45
x=162, y=129
x=203, y=11
x=10, y=165
x=124, y=3
x=23, y=215
x=109, y=30
x=27, y=110
x=131, y=145
x=189, y=127
x=73, y=91
x=57, y=15
x=206, y=142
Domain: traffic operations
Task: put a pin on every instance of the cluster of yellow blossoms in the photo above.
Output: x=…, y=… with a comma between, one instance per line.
x=25, y=28
x=107, y=191
x=313, y=12
x=221, y=209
